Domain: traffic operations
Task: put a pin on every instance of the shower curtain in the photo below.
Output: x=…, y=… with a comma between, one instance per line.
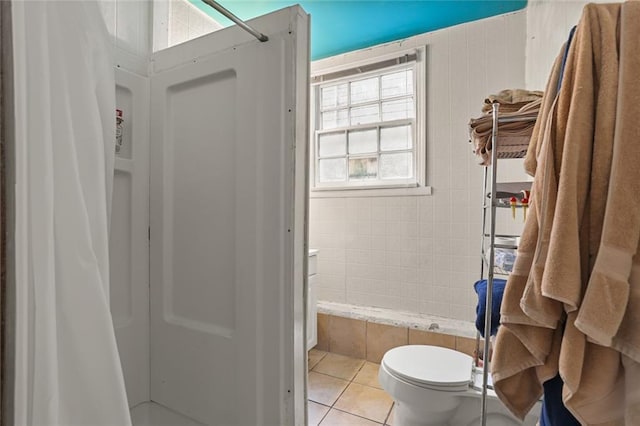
x=65, y=93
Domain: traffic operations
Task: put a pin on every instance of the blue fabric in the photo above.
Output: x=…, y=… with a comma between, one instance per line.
x=564, y=57
x=554, y=413
x=544, y=417
x=496, y=300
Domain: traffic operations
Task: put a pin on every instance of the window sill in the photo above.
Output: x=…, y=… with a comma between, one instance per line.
x=371, y=192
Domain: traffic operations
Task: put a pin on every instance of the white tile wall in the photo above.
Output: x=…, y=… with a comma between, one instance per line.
x=187, y=22
x=130, y=23
x=421, y=254
x=548, y=26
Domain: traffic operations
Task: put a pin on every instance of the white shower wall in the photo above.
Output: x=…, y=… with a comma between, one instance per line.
x=421, y=253
x=129, y=238
x=129, y=23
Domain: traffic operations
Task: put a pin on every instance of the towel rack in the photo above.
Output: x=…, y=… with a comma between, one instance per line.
x=238, y=21
x=490, y=204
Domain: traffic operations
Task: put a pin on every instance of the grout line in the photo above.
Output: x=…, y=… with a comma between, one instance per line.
x=332, y=406
x=325, y=414
x=386, y=420
x=357, y=415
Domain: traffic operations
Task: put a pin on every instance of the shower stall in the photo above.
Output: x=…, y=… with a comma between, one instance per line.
x=207, y=243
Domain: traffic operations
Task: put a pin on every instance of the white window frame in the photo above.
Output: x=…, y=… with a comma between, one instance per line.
x=351, y=69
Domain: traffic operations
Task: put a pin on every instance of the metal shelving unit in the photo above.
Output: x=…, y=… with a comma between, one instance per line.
x=491, y=202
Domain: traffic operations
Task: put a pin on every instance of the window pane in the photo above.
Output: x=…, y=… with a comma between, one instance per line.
x=396, y=166
x=363, y=141
x=332, y=144
x=335, y=119
x=394, y=138
x=363, y=168
x=333, y=170
x=343, y=90
x=397, y=84
x=343, y=117
x=334, y=96
x=328, y=97
x=398, y=109
x=364, y=90
x=365, y=114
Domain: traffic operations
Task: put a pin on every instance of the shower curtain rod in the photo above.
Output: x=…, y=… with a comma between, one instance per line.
x=234, y=18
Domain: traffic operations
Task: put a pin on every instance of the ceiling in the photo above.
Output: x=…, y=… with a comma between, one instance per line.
x=339, y=26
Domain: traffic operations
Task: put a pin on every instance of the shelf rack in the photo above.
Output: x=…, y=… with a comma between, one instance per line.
x=490, y=204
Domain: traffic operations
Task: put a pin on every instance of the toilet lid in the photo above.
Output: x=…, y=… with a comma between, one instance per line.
x=430, y=366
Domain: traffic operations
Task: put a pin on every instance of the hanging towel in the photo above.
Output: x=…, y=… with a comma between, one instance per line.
x=607, y=296
x=573, y=155
x=496, y=301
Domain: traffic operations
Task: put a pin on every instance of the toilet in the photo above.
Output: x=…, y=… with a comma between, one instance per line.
x=432, y=385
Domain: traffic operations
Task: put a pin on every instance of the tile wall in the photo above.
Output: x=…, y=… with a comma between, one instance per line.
x=130, y=24
x=187, y=22
x=421, y=254
x=548, y=26
x=370, y=341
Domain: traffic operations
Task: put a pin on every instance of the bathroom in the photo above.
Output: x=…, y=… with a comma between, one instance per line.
x=394, y=266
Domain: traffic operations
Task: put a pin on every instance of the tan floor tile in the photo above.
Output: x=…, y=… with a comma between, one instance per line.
x=325, y=389
x=389, y=421
x=339, y=366
x=365, y=401
x=313, y=357
x=368, y=375
x=316, y=412
x=338, y=418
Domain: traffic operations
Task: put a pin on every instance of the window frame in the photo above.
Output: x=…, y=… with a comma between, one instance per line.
x=351, y=71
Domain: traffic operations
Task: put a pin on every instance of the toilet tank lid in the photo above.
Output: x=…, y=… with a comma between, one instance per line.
x=431, y=365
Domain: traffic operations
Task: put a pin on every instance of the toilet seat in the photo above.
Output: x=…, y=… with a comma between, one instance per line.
x=430, y=367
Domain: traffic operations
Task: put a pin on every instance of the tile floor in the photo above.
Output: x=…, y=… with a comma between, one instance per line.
x=345, y=391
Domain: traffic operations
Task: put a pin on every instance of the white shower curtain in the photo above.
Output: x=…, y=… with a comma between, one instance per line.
x=65, y=124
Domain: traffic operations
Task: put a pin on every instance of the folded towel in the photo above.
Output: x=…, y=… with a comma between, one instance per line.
x=513, y=137
x=496, y=301
x=511, y=100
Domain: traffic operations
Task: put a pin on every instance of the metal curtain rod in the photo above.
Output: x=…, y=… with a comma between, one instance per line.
x=234, y=18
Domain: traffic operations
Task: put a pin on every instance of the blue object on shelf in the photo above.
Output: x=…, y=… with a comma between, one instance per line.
x=481, y=290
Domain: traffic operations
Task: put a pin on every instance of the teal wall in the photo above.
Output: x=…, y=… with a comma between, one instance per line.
x=343, y=26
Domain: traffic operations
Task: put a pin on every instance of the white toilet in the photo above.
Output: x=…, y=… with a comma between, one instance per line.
x=438, y=386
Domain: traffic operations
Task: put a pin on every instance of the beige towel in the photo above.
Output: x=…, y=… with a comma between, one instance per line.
x=511, y=100
x=607, y=297
x=513, y=137
x=570, y=154
x=582, y=142
x=533, y=152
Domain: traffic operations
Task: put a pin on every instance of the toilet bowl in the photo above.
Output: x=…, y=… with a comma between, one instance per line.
x=438, y=386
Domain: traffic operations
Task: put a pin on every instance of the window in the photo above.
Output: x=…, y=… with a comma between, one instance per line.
x=367, y=134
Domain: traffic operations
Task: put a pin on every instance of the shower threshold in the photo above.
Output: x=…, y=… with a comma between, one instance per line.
x=152, y=414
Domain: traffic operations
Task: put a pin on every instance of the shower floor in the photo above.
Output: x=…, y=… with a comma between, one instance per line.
x=152, y=414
